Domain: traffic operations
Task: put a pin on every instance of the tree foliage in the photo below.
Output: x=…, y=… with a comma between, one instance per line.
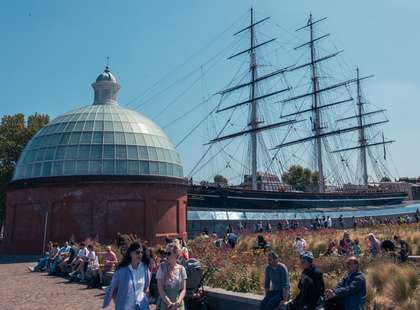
x=220, y=179
x=15, y=132
x=301, y=178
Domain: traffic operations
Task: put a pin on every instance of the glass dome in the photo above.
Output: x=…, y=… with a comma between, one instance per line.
x=99, y=139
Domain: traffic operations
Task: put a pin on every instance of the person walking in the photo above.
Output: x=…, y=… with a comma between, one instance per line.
x=311, y=285
x=350, y=293
x=171, y=278
x=276, y=283
x=130, y=283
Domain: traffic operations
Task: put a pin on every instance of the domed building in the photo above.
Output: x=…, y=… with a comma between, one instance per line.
x=93, y=172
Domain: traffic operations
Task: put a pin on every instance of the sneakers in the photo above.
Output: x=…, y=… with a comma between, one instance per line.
x=31, y=269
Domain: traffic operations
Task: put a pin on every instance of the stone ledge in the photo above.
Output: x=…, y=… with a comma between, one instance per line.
x=220, y=299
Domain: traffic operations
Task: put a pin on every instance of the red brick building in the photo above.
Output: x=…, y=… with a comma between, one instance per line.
x=93, y=172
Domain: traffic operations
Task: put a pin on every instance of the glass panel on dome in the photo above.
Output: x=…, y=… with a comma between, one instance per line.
x=148, y=140
x=96, y=152
x=49, y=154
x=144, y=167
x=130, y=138
x=91, y=116
x=118, y=126
x=74, y=138
x=108, y=126
x=65, y=138
x=154, y=168
x=108, y=167
x=140, y=139
x=79, y=126
x=86, y=137
x=135, y=127
x=61, y=127
x=121, y=167
x=121, y=152
x=82, y=167
x=99, y=116
x=99, y=125
x=88, y=126
x=28, y=171
x=70, y=126
x=71, y=152
x=127, y=127
x=119, y=138
x=83, y=152
x=74, y=117
x=61, y=152
x=46, y=169
x=97, y=137
x=115, y=117
x=55, y=138
x=132, y=152
x=30, y=156
x=37, y=170
x=95, y=167
x=83, y=116
x=40, y=155
x=107, y=117
x=123, y=117
x=108, y=137
x=69, y=167
x=162, y=169
x=142, y=150
x=109, y=151
x=152, y=153
x=133, y=167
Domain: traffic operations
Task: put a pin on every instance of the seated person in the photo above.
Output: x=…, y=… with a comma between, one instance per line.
x=387, y=246
x=81, y=260
x=345, y=245
x=276, y=283
x=404, y=248
x=332, y=248
x=110, y=261
x=261, y=243
x=350, y=293
x=92, y=266
x=311, y=285
x=68, y=258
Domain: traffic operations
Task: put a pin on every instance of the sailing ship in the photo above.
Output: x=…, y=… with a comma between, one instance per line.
x=252, y=195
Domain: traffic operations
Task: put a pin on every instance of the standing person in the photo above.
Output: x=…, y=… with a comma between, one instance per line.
x=329, y=222
x=171, y=279
x=130, y=283
x=311, y=285
x=277, y=275
x=404, y=248
x=354, y=220
x=340, y=221
x=350, y=293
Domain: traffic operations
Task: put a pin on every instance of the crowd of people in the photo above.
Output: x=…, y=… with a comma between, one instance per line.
x=350, y=292
x=143, y=275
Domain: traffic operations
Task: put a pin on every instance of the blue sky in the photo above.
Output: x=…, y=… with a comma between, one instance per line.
x=52, y=50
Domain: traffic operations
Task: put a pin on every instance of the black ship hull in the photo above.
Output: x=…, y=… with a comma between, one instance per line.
x=234, y=199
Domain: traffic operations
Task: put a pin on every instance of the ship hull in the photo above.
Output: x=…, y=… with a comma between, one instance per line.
x=225, y=199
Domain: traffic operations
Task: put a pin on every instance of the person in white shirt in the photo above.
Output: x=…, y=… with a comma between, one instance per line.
x=130, y=284
x=299, y=245
x=92, y=265
x=81, y=260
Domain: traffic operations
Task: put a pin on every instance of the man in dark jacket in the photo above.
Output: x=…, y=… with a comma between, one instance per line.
x=350, y=293
x=311, y=285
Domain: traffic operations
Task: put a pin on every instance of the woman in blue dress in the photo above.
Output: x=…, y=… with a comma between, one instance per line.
x=130, y=283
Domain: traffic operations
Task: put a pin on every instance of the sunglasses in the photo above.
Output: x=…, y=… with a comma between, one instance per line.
x=138, y=252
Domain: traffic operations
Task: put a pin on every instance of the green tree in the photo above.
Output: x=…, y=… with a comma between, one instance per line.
x=15, y=132
x=220, y=179
x=300, y=178
x=385, y=179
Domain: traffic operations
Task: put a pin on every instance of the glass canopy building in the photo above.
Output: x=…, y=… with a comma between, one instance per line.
x=100, y=139
x=94, y=172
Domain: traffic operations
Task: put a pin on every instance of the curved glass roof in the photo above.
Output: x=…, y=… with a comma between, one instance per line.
x=103, y=139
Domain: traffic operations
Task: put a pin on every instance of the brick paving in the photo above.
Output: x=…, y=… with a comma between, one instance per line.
x=21, y=290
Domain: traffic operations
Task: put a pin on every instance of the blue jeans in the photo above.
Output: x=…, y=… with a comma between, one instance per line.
x=271, y=300
x=41, y=264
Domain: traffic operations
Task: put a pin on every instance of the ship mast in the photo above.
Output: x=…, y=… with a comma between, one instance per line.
x=362, y=139
x=255, y=124
x=253, y=106
x=316, y=112
x=317, y=106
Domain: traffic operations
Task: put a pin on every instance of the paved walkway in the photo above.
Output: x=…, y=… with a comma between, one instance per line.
x=21, y=290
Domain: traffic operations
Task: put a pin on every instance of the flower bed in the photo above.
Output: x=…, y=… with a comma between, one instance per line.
x=242, y=269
